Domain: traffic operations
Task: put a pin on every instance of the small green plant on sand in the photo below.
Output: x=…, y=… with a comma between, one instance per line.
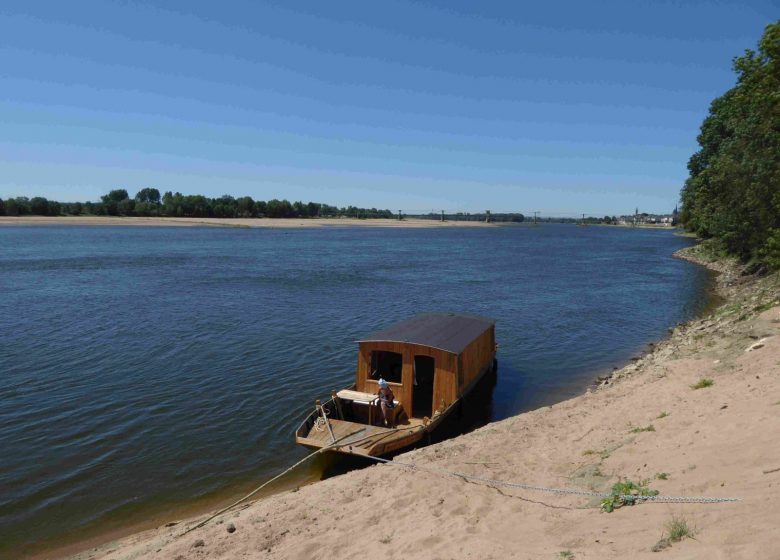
x=567, y=554
x=602, y=453
x=664, y=414
x=764, y=307
x=702, y=383
x=638, y=430
x=626, y=493
x=678, y=529
x=662, y=476
x=675, y=530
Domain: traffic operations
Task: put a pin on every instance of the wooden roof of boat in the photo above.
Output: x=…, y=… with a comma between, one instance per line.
x=450, y=332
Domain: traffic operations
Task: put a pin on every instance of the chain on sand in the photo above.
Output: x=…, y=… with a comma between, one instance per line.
x=586, y=493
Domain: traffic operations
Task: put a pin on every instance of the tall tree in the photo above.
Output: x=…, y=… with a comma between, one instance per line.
x=733, y=190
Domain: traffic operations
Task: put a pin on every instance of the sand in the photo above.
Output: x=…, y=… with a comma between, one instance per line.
x=718, y=441
x=234, y=222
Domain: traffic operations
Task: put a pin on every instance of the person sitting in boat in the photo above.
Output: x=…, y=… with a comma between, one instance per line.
x=386, y=402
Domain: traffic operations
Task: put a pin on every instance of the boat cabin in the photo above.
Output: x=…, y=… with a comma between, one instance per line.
x=430, y=362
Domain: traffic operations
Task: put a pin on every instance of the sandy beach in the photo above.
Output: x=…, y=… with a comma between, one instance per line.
x=645, y=422
x=234, y=222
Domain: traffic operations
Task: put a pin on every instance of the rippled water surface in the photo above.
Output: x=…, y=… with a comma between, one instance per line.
x=147, y=367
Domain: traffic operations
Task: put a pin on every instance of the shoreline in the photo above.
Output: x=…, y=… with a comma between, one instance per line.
x=239, y=222
x=685, y=342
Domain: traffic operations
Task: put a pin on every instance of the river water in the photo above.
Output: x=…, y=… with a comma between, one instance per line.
x=147, y=368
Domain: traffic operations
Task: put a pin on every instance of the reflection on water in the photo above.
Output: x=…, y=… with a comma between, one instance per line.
x=146, y=368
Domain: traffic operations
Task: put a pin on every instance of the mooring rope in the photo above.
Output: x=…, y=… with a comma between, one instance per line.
x=253, y=492
x=267, y=482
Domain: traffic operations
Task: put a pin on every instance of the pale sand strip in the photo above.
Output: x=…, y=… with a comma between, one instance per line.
x=235, y=222
x=717, y=441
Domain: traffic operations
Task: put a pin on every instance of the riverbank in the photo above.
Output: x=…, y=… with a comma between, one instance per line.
x=235, y=222
x=644, y=422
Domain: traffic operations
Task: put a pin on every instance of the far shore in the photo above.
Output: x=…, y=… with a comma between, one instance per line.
x=238, y=222
x=697, y=416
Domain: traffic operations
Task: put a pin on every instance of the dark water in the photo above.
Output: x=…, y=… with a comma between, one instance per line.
x=148, y=367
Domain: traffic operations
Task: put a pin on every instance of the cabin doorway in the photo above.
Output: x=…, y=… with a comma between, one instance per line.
x=422, y=395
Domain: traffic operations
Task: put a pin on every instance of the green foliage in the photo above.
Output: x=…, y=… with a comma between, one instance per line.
x=626, y=493
x=664, y=414
x=149, y=196
x=765, y=306
x=637, y=430
x=566, y=554
x=39, y=206
x=148, y=202
x=703, y=383
x=112, y=199
x=10, y=208
x=662, y=476
x=731, y=193
x=677, y=529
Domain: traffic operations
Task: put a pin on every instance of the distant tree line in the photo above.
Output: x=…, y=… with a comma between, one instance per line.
x=148, y=202
x=468, y=217
x=732, y=194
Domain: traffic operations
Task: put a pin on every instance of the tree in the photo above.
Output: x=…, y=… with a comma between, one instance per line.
x=148, y=195
x=245, y=207
x=39, y=206
x=125, y=207
x=10, y=208
x=22, y=204
x=279, y=209
x=112, y=199
x=299, y=209
x=732, y=192
x=2, y=207
x=54, y=208
x=116, y=195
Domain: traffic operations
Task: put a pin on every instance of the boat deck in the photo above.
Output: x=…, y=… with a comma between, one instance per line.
x=360, y=435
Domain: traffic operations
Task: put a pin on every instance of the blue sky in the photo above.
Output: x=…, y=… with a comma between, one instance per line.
x=561, y=107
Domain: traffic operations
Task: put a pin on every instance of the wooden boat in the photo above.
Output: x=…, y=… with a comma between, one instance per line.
x=430, y=361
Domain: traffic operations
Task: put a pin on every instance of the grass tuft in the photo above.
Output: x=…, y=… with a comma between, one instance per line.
x=678, y=529
x=664, y=414
x=765, y=306
x=567, y=554
x=675, y=530
x=602, y=453
x=637, y=430
x=702, y=383
x=662, y=476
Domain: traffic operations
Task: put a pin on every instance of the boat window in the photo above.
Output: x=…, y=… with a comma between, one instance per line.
x=387, y=365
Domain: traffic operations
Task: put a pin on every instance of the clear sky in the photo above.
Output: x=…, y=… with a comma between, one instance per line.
x=561, y=107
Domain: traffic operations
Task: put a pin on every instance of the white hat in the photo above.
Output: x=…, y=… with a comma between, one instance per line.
x=382, y=383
